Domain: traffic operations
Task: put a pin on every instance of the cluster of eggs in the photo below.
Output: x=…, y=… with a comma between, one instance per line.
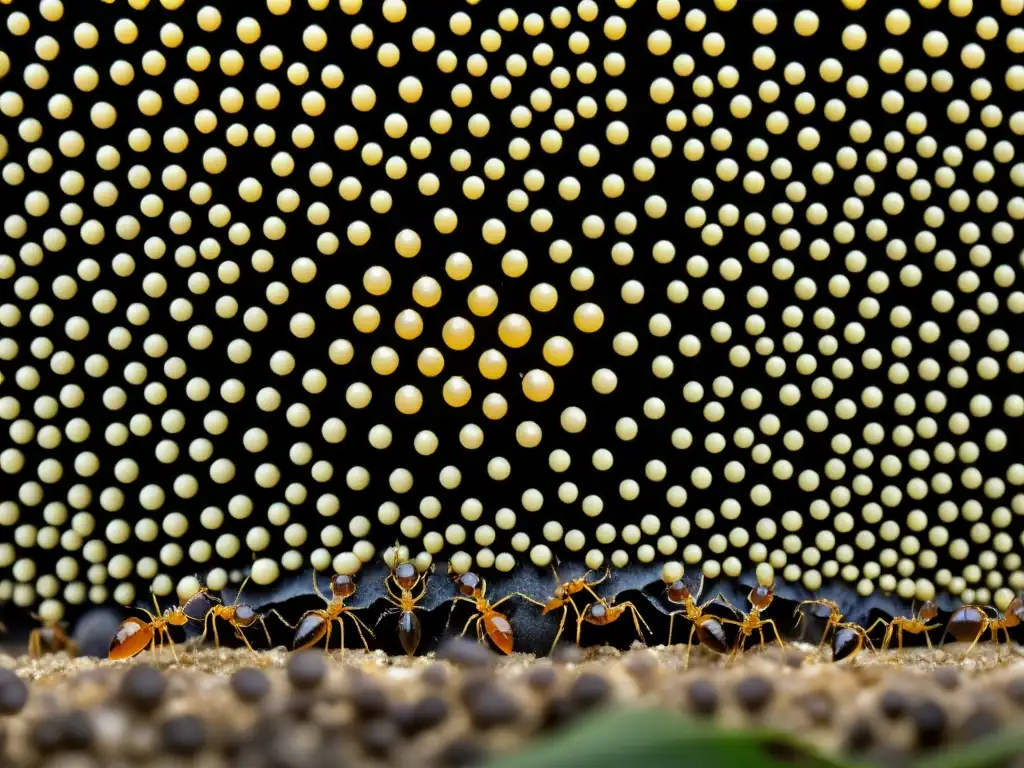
x=283, y=281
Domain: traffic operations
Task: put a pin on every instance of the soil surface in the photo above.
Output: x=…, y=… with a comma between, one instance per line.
x=465, y=703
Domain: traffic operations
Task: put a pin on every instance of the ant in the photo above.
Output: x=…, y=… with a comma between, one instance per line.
x=238, y=615
x=604, y=612
x=760, y=598
x=561, y=597
x=134, y=634
x=314, y=624
x=708, y=627
x=915, y=625
x=970, y=621
x=473, y=589
x=50, y=638
x=406, y=577
x=847, y=638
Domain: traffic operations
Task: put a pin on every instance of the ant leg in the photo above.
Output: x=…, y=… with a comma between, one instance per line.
x=517, y=594
x=388, y=612
x=720, y=598
x=775, y=629
x=282, y=619
x=874, y=624
x=607, y=574
x=170, y=641
x=760, y=635
x=671, y=622
x=270, y=643
x=35, y=644
x=561, y=626
x=579, y=622
x=216, y=637
x=455, y=602
x=359, y=629
x=341, y=635
x=245, y=581
x=327, y=642
x=637, y=618
x=392, y=595
x=316, y=588
x=899, y=644
x=358, y=621
x=689, y=643
x=927, y=639
x=465, y=629
x=977, y=637
x=245, y=640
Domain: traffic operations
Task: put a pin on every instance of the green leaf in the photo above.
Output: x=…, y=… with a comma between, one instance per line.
x=990, y=752
x=660, y=738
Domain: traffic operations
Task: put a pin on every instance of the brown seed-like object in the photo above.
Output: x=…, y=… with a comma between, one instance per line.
x=250, y=685
x=142, y=688
x=306, y=669
x=183, y=735
x=754, y=692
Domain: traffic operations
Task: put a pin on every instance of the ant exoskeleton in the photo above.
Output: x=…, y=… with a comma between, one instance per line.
x=604, y=612
x=406, y=577
x=316, y=623
x=911, y=625
x=561, y=597
x=708, y=627
x=50, y=638
x=239, y=615
x=134, y=635
x=969, y=623
x=760, y=598
x=473, y=589
x=847, y=638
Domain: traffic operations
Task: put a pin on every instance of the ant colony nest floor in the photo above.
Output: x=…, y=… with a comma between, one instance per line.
x=465, y=703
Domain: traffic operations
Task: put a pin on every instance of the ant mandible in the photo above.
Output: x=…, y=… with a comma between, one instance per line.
x=239, y=615
x=473, y=589
x=561, y=597
x=50, y=637
x=760, y=598
x=406, y=577
x=971, y=621
x=847, y=638
x=604, y=612
x=914, y=626
x=316, y=623
x=708, y=627
x=134, y=635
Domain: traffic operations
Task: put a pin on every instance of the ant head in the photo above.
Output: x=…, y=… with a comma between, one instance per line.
x=678, y=592
x=405, y=575
x=342, y=586
x=467, y=583
x=762, y=596
x=928, y=610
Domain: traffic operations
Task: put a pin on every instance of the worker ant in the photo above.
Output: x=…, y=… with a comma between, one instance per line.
x=913, y=625
x=134, y=635
x=561, y=597
x=317, y=623
x=239, y=615
x=708, y=627
x=50, y=638
x=406, y=578
x=604, y=612
x=760, y=598
x=969, y=622
x=473, y=589
x=847, y=638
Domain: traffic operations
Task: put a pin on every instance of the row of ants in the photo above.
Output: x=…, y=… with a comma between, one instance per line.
x=406, y=587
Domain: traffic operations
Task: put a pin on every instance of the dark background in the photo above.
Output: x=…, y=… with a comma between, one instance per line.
x=410, y=210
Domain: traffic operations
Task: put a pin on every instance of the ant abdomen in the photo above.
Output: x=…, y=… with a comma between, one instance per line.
x=965, y=623
x=409, y=632
x=310, y=629
x=711, y=635
x=846, y=643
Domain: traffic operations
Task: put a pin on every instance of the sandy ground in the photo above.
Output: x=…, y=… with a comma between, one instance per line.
x=831, y=706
